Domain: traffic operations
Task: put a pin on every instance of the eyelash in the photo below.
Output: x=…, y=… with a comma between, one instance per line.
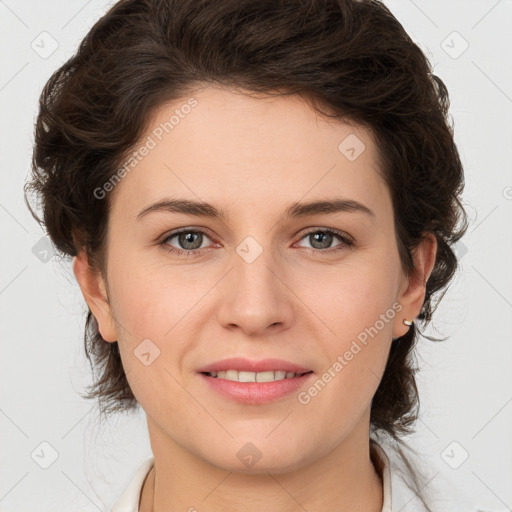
x=346, y=242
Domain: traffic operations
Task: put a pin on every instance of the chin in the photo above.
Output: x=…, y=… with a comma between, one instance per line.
x=260, y=456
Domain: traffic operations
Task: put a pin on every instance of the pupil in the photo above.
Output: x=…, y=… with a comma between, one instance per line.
x=323, y=236
x=189, y=237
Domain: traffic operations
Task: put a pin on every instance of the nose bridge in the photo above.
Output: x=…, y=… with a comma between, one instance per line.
x=254, y=271
x=256, y=294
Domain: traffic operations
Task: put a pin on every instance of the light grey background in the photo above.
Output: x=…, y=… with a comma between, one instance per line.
x=465, y=382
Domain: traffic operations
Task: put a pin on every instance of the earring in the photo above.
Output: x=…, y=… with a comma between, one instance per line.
x=406, y=322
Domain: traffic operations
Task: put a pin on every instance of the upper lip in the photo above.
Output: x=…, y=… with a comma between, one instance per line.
x=242, y=364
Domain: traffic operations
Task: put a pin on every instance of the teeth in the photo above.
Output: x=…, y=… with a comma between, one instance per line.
x=243, y=376
x=230, y=375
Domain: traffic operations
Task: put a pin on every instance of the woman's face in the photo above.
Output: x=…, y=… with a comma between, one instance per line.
x=268, y=282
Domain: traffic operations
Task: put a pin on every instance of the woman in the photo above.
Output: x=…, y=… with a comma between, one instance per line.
x=260, y=199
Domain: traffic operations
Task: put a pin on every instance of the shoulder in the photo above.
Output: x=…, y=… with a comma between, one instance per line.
x=129, y=499
x=382, y=465
x=397, y=486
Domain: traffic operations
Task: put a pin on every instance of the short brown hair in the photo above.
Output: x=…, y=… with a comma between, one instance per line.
x=351, y=58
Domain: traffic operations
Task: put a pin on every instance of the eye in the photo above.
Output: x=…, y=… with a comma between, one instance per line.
x=321, y=239
x=189, y=242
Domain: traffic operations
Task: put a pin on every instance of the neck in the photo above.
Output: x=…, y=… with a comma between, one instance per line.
x=344, y=479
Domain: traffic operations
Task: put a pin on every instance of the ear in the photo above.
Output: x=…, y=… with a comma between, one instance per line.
x=413, y=289
x=94, y=290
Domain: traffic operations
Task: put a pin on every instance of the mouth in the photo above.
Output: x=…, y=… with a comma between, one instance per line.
x=252, y=382
x=255, y=388
x=246, y=376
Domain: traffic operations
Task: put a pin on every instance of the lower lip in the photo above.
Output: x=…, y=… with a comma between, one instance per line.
x=256, y=392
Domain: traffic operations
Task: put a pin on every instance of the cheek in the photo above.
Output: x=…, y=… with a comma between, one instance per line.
x=357, y=307
x=149, y=299
x=157, y=310
x=152, y=315
x=351, y=296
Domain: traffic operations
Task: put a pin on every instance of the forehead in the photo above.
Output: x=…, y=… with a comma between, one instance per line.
x=219, y=144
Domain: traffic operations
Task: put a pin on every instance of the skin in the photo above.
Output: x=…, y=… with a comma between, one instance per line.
x=253, y=157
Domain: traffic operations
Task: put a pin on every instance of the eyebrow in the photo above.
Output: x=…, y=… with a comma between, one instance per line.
x=295, y=210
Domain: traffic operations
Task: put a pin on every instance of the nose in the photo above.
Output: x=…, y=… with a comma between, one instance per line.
x=255, y=297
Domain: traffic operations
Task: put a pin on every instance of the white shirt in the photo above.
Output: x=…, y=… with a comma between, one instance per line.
x=129, y=499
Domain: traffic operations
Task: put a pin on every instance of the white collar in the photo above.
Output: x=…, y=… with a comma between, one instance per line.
x=129, y=499
x=383, y=466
